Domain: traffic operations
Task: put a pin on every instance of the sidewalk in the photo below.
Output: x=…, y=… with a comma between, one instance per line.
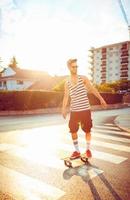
x=123, y=122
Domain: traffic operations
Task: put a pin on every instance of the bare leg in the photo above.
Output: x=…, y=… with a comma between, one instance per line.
x=74, y=136
x=88, y=137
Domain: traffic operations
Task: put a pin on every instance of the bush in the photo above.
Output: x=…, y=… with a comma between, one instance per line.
x=26, y=100
x=110, y=98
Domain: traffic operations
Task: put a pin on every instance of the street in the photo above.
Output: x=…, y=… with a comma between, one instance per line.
x=31, y=165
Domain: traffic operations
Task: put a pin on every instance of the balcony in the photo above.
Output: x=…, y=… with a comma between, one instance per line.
x=104, y=58
x=104, y=50
x=91, y=61
x=91, y=56
x=124, y=47
x=103, y=81
x=124, y=78
x=103, y=66
x=124, y=65
x=103, y=63
x=124, y=55
x=104, y=53
x=124, y=69
x=92, y=49
x=124, y=61
x=124, y=75
x=103, y=71
x=103, y=77
x=125, y=51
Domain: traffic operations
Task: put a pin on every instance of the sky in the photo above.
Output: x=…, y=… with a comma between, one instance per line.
x=44, y=34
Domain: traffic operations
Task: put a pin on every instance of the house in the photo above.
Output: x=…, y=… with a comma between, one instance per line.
x=19, y=79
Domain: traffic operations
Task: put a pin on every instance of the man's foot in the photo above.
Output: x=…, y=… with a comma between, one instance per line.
x=88, y=153
x=75, y=155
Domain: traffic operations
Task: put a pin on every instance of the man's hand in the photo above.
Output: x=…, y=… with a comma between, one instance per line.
x=64, y=113
x=103, y=103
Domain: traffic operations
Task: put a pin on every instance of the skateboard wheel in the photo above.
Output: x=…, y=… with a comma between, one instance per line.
x=68, y=163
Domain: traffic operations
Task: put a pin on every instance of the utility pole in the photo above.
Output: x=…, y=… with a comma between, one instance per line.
x=0, y=22
x=124, y=15
x=129, y=31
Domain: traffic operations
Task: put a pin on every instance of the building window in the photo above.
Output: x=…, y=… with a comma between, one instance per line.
x=111, y=48
x=19, y=82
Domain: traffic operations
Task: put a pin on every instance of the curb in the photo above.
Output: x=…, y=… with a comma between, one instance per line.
x=58, y=110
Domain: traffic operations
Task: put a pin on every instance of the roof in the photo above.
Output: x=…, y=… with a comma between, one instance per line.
x=111, y=45
x=47, y=83
x=24, y=74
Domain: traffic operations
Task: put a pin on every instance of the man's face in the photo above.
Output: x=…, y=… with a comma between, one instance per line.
x=73, y=68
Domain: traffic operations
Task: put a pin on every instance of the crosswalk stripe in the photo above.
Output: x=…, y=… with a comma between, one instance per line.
x=37, y=157
x=6, y=147
x=115, y=138
x=97, y=154
x=109, y=124
x=122, y=133
x=107, y=127
x=24, y=187
x=118, y=147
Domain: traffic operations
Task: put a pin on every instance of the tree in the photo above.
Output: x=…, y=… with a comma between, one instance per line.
x=113, y=87
x=59, y=87
x=105, y=87
x=13, y=63
x=1, y=67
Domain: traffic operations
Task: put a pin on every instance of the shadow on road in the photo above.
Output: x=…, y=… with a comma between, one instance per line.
x=83, y=172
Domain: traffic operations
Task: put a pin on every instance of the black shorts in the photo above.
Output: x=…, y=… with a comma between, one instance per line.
x=82, y=118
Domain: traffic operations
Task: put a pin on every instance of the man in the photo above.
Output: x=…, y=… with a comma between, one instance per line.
x=76, y=87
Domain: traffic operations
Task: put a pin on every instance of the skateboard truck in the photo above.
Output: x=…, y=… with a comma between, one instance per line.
x=84, y=159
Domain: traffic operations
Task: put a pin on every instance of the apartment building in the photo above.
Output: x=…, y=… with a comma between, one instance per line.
x=110, y=63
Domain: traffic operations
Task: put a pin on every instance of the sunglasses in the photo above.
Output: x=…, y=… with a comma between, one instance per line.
x=74, y=67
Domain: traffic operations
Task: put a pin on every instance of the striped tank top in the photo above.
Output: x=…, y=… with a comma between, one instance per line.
x=78, y=95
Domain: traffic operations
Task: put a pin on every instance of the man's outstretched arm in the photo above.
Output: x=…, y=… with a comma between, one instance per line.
x=92, y=89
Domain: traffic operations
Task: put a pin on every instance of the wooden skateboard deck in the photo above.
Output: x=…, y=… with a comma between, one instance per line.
x=69, y=162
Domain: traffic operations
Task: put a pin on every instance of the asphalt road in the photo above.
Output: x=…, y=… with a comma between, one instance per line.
x=31, y=149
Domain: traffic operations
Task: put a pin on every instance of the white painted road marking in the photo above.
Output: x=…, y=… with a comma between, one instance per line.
x=25, y=187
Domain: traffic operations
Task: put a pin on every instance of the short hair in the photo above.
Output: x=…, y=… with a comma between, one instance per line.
x=70, y=61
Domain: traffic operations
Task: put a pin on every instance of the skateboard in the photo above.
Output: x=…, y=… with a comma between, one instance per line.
x=69, y=162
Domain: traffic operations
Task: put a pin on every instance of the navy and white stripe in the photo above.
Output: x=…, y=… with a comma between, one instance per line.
x=78, y=94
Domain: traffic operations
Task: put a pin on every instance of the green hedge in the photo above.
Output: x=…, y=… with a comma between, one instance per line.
x=110, y=98
x=27, y=100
